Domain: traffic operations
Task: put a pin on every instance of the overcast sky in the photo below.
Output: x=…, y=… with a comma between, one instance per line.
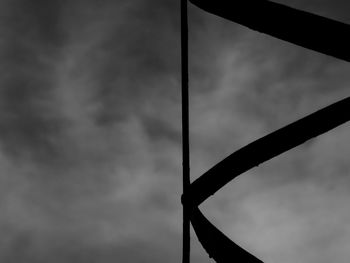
x=90, y=134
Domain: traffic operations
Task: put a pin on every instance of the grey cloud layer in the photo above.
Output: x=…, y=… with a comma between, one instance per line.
x=90, y=134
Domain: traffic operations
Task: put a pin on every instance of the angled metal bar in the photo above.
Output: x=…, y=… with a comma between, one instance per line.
x=218, y=246
x=266, y=148
x=305, y=29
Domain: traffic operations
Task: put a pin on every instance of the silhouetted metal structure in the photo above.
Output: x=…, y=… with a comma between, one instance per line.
x=301, y=28
x=185, y=131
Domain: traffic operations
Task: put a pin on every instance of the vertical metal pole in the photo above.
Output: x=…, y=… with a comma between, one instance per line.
x=185, y=129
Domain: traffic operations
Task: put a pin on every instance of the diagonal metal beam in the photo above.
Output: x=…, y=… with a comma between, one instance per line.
x=266, y=148
x=308, y=30
x=218, y=246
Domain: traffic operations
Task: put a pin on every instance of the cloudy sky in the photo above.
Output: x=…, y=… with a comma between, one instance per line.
x=90, y=134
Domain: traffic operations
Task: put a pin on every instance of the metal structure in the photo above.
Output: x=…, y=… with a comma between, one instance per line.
x=185, y=130
x=295, y=26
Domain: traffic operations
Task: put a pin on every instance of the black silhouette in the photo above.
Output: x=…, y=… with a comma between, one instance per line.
x=305, y=29
x=185, y=131
x=298, y=27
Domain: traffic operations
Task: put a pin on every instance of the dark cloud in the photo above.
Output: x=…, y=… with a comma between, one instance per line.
x=90, y=134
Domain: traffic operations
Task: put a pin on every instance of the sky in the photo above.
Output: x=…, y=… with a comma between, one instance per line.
x=90, y=134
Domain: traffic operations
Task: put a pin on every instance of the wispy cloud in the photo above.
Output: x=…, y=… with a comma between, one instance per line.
x=90, y=135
